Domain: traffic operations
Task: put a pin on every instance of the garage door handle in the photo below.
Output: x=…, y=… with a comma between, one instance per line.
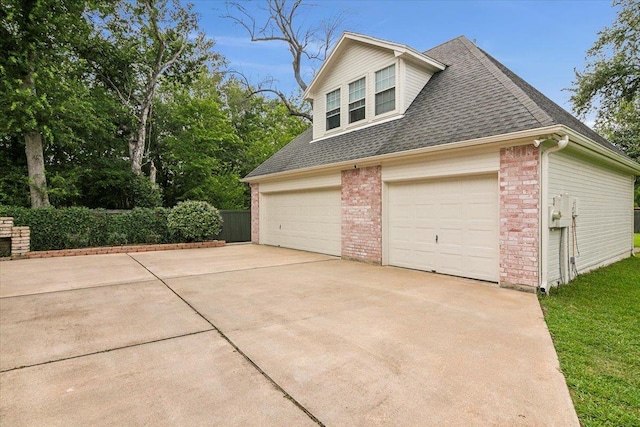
x=436, y=238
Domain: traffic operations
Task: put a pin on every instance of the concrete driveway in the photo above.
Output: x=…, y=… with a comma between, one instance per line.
x=254, y=335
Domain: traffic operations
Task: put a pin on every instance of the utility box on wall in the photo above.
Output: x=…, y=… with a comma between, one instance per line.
x=563, y=210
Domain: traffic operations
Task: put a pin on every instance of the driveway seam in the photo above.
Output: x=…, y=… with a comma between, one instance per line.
x=231, y=271
x=152, y=280
x=236, y=348
x=105, y=351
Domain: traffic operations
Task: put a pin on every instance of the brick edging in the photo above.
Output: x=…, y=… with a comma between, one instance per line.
x=122, y=249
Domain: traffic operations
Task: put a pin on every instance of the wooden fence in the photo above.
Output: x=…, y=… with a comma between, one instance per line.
x=236, y=226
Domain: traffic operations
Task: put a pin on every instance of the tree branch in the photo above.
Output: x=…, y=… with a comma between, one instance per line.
x=293, y=111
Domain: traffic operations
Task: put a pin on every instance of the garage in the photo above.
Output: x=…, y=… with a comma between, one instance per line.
x=447, y=226
x=308, y=220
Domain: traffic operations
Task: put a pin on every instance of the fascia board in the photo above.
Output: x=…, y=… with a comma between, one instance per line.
x=507, y=139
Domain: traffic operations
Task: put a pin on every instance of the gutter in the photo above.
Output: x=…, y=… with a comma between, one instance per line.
x=375, y=160
x=579, y=140
x=544, y=208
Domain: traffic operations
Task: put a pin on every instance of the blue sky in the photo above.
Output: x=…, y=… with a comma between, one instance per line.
x=541, y=41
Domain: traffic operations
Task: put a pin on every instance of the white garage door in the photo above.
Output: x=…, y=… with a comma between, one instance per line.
x=305, y=220
x=449, y=226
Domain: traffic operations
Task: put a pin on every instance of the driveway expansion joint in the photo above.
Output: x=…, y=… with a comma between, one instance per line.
x=237, y=349
x=108, y=350
x=84, y=288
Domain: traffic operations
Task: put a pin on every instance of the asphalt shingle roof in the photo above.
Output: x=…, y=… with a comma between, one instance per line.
x=474, y=97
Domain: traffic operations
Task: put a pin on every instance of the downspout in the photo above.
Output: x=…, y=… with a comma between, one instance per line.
x=544, y=208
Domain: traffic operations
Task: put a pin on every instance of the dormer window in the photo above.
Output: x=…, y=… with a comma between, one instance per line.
x=386, y=90
x=357, y=92
x=333, y=109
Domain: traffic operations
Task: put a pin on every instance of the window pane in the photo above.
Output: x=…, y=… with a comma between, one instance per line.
x=386, y=101
x=356, y=111
x=356, y=114
x=357, y=90
x=333, y=100
x=333, y=109
x=333, y=121
x=386, y=78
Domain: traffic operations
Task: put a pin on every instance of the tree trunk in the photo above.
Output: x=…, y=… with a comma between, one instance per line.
x=153, y=172
x=135, y=155
x=35, y=164
x=35, y=157
x=137, y=141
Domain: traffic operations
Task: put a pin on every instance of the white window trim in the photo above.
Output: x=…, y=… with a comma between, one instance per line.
x=364, y=98
x=339, y=108
x=395, y=87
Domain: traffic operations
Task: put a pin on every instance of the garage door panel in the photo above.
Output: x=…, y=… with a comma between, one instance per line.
x=450, y=262
x=305, y=220
x=462, y=212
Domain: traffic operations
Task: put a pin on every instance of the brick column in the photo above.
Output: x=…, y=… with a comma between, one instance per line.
x=362, y=214
x=20, y=241
x=6, y=224
x=255, y=213
x=519, y=217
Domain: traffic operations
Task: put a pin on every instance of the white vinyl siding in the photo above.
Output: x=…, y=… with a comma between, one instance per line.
x=414, y=81
x=316, y=181
x=604, y=225
x=355, y=59
x=448, y=225
x=476, y=161
x=357, y=100
x=385, y=90
x=307, y=220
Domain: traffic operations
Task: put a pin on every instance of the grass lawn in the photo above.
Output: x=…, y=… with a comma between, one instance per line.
x=636, y=240
x=595, y=325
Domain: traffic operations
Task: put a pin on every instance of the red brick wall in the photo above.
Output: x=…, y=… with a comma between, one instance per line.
x=255, y=213
x=362, y=214
x=519, y=220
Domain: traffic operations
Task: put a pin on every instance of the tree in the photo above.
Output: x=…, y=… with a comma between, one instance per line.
x=137, y=45
x=610, y=82
x=195, y=146
x=37, y=38
x=209, y=134
x=311, y=44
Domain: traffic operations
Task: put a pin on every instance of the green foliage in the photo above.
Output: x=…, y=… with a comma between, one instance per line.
x=594, y=322
x=74, y=227
x=14, y=184
x=610, y=83
x=147, y=42
x=209, y=135
x=140, y=225
x=146, y=194
x=205, y=132
x=194, y=221
x=195, y=141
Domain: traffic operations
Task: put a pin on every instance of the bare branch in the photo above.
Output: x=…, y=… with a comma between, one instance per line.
x=312, y=43
x=293, y=111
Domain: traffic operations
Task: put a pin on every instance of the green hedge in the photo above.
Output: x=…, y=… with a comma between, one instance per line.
x=77, y=227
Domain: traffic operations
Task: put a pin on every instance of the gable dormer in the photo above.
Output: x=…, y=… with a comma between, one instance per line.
x=365, y=81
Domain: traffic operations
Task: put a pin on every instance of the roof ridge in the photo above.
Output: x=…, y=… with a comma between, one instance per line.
x=536, y=111
x=461, y=36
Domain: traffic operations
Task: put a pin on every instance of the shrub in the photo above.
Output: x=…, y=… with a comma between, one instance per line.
x=144, y=225
x=146, y=194
x=194, y=221
x=75, y=227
